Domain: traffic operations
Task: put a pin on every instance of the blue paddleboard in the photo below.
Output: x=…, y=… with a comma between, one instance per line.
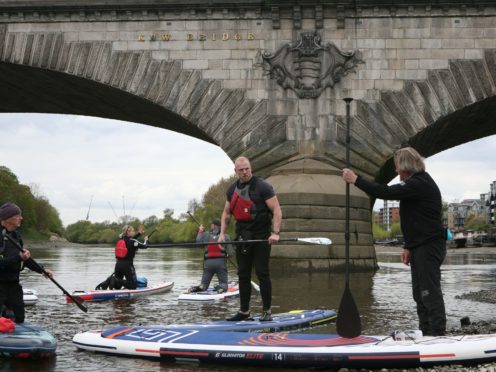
x=296, y=319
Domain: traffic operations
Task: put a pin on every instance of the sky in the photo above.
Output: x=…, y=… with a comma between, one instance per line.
x=138, y=170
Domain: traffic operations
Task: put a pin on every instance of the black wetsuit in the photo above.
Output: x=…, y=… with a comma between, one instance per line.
x=421, y=223
x=11, y=264
x=124, y=267
x=257, y=254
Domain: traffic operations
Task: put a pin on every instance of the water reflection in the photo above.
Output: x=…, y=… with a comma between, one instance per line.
x=383, y=298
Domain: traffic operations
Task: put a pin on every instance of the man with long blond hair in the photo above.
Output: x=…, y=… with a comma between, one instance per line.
x=421, y=223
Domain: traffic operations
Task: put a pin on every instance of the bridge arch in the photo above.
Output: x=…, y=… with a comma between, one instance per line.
x=422, y=79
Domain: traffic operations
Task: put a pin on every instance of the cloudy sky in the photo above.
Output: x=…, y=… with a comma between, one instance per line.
x=142, y=170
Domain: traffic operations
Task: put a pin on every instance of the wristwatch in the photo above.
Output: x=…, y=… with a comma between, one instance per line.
x=275, y=232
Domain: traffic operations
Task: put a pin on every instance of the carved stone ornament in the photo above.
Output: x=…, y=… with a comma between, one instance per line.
x=308, y=67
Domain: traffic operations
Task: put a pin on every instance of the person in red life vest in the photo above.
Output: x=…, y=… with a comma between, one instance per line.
x=215, y=257
x=425, y=238
x=254, y=205
x=125, y=250
x=12, y=262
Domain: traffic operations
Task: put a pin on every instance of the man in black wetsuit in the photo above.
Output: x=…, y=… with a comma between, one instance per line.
x=254, y=205
x=12, y=262
x=421, y=223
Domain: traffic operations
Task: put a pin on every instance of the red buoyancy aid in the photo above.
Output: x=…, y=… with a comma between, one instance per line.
x=121, y=249
x=7, y=325
x=214, y=250
x=242, y=207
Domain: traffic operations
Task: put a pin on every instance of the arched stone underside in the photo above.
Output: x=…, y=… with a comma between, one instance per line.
x=40, y=72
x=453, y=106
x=127, y=85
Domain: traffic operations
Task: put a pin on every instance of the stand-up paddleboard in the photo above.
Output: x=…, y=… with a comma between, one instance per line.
x=27, y=341
x=210, y=295
x=29, y=296
x=296, y=319
x=286, y=349
x=112, y=294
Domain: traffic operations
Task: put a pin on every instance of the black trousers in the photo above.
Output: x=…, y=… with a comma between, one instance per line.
x=425, y=263
x=248, y=256
x=11, y=298
x=215, y=266
x=125, y=269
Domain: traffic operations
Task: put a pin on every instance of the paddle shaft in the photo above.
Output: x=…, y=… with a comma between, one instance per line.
x=348, y=323
x=347, y=198
x=196, y=244
x=18, y=246
x=194, y=218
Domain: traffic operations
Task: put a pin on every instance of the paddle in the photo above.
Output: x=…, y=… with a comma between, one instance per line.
x=149, y=236
x=319, y=241
x=18, y=246
x=253, y=284
x=194, y=218
x=348, y=322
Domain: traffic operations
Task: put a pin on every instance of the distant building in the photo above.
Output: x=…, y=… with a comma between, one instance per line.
x=388, y=215
x=458, y=213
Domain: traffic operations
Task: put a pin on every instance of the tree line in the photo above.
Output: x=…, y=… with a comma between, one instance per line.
x=166, y=228
x=40, y=218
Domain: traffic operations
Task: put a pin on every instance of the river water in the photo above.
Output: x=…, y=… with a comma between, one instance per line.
x=383, y=298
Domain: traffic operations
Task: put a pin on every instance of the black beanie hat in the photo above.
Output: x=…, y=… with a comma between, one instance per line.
x=8, y=210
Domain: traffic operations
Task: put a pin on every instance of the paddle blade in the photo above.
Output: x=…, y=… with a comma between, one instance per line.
x=348, y=324
x=320, y=241
x=78, y=301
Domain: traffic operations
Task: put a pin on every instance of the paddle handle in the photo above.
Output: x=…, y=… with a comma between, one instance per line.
x=39, y=267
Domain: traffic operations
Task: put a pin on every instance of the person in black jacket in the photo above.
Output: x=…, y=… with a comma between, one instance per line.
x=12, y=262
x=421, y=223
x=125, y=273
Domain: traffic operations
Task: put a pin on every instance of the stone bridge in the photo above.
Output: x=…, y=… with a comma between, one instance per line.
x=266, y=79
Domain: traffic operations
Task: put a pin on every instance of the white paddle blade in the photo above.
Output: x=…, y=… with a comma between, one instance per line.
x=255, y=286
x=320, y=241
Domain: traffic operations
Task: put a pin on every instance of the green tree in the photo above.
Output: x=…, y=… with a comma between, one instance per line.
x=39, y=216
x=168, y=228
x=378, y=232
x=476, y=223
x=395, y=229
